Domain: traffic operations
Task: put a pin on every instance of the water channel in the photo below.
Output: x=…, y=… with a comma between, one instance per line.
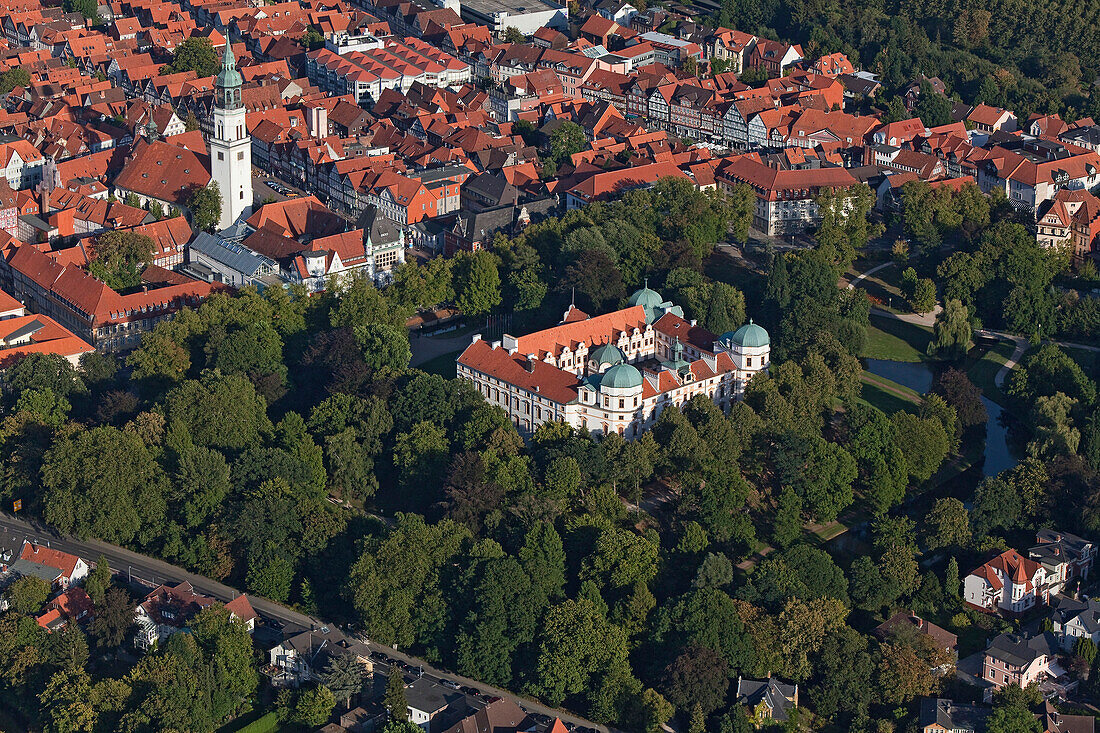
x=918, y=376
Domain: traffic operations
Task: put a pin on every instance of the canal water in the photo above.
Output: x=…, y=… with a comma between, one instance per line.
x=918, y=376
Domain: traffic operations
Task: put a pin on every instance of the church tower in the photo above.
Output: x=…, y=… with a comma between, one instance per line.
x=230, y=144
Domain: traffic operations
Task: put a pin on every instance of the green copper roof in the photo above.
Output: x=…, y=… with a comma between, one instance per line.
x=750, y=336
x=622, y=376
x=646, y=298
x=607, y=354
x=229, y=76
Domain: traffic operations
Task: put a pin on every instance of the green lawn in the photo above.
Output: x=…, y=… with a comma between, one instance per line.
x=984, y=363
x=443, y=365
x=1086, y=359
x=889, y=338
x=887, y=396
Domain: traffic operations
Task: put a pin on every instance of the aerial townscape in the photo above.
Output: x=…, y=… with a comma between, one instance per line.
x=549, y=366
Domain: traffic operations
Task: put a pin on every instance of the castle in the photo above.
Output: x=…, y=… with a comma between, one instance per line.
x=616, y=372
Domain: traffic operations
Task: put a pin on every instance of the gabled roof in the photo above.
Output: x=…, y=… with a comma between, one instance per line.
x=61, y=561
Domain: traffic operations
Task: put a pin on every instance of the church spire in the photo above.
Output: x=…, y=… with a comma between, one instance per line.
x=228, y=82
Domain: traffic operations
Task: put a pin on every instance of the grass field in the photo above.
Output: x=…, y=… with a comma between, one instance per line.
x=889, y=338
x=983, y=369
x=443, y=365
x=887, y=396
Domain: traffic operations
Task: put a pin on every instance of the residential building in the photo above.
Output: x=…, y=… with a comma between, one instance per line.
x=616, y=372
x=499, y=716
x=767, y=700
x=1019, y=659
x=72, y=605
x=432, y=706
x=300, y=659
x=60, y=569
x=1065, y=556
x=1074, y=619
x=1009, y=583
x=214, y=259
x=167, y=610
x=22, y=164
x=91, y=310
x=938, y=715
x=786, y=199
x=906, y=620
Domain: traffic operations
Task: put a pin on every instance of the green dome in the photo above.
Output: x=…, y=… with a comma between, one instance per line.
x=607, y=354
x=750, y=336
x=622, y=376
x=648, y=299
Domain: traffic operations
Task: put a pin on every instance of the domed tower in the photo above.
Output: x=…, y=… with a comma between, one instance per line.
x=603, y=357
x=655, y=306
x=750, y=347
x=230, y=143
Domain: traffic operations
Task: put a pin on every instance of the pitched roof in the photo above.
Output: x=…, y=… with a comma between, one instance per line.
x=48, y=556
x=165, y=172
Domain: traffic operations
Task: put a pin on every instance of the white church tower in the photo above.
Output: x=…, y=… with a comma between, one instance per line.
x=230, y=144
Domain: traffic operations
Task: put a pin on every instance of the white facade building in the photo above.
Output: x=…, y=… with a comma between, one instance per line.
x=616, y=372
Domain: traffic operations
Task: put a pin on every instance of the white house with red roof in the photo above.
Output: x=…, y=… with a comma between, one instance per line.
x=43, y=561
x=614, y=373
x=167, y=610
x=1009, y=583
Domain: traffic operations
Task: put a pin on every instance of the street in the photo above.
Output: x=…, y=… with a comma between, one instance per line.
x=130, y=564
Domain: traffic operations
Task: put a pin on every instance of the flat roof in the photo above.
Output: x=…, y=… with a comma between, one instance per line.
x=511, y=7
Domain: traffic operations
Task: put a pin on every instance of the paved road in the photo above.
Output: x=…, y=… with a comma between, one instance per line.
x=134, y=565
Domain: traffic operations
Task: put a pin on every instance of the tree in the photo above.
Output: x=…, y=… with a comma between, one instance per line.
x=951, y=578
x=12, y=78
x=903, y=674
x=715, y=572
x=656, y=710
x=697, y=677
x=788, y=518
x=344, y=676
x=113, y=619
x=951, y=335
x=118, y=256
x=567, y=139
x=314, y=706
x=959, y=392
x=947, y=525
x=196, y=54
x=933, y=108
x=66, y=704
x=576, y=646
x=99, y=580
x=477, y=283
x=159, y=358
x=27, y=594
x=1013, y=718
x=1085, y=648
x=103, y=483
x=384, y=346
x=395, y=701
x=206, y=205
x=925, y=446
x=514, y=35
x=726, y=309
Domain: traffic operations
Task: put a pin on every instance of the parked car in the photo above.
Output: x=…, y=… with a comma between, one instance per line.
x=449, y=683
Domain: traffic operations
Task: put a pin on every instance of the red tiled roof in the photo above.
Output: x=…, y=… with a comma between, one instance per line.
x=549, y=381
x=165, y=172
x=592, y=331
x=241, y=608
x=674, y=326
x=50, y=557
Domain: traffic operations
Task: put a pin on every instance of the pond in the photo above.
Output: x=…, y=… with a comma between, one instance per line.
x=918, y=376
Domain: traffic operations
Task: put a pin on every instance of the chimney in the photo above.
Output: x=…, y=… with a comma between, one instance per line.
x=529, y=365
